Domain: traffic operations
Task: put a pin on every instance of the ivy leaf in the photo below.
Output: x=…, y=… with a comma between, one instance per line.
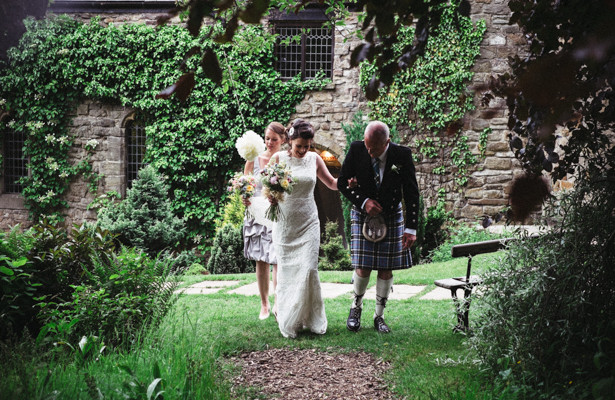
x=211, y=66
x=254, y=11
x=181, y=88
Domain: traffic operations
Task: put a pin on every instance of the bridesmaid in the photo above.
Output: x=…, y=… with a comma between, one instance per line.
x=257, y=238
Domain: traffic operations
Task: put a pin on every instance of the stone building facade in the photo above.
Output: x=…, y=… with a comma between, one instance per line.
x=326, y=109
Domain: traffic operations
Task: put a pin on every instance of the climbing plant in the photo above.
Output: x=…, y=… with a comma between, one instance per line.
x=60, y=61
x=428, y=102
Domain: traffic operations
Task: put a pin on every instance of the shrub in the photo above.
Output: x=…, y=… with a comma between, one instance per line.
x=121, y=295
x=144, y=219
x=233, y=212
x=430, y=232
x=227, y=252
x=546, y=313
x=17, y=296
x=335, y=256
x=196, y=269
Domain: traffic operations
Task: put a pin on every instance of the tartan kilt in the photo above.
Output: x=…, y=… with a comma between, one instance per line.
x=384, y=255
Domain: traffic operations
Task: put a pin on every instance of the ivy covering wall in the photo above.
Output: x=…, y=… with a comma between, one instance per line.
x=60, y=61
x=427, y=103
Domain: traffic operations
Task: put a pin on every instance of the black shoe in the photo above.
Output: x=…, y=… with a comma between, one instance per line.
x=354, y=319
x=380, y=325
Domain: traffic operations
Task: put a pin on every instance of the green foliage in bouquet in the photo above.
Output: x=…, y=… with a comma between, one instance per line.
x=335, y=256
x=145, y=218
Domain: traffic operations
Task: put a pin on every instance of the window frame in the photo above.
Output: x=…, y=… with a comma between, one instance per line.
x=12, y=188
x=138, y=124
x=303, y=21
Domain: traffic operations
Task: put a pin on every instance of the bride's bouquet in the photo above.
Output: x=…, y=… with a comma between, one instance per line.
x=250, y=145
x=277, y=180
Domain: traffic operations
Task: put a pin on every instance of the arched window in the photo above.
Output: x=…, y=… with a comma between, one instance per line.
x=14, y=163
x=135, y=148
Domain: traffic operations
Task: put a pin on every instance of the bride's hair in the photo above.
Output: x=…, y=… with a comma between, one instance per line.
x=279, y=129
x=300, y=128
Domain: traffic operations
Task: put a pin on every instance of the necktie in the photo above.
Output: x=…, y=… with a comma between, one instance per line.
x=376, y=166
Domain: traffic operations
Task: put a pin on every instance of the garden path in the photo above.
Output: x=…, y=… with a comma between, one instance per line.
x=329, y=290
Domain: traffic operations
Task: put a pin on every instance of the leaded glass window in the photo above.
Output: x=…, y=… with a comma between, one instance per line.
x=15, y=164
x=135, y=149
x=304, y=48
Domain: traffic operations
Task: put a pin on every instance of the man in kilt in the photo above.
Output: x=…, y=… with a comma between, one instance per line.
x=385, y=175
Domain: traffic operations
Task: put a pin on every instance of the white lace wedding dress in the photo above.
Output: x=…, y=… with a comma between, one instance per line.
x=296, y=238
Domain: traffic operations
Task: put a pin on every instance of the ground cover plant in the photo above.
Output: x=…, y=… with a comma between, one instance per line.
x=187, y=355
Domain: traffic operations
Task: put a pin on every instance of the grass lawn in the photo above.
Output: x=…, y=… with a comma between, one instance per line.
x=429, y=360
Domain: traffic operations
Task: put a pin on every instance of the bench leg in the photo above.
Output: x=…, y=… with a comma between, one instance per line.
x=462, y=308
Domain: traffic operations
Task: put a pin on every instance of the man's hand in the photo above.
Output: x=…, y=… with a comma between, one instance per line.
x=246, y=201
x=408, y=240
x=372, y=207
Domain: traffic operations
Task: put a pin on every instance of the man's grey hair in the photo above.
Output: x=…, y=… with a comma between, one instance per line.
x=379, y=129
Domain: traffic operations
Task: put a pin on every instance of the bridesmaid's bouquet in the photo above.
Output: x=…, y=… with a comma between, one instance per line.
x=244, y=185
x=250, y=145
x=277, y=180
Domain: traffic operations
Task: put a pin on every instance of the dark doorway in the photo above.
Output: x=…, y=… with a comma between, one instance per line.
x=328, y=201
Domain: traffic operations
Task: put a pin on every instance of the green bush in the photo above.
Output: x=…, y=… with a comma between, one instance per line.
x=430, y=232
x=49, y=262
x=227, y=252
x=546, y=316
x=120, y=296
x=233, y=212
x=196, y=269
x=335, y=256
x=144, y=219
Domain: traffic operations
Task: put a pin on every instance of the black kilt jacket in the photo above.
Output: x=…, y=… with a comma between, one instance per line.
x=398, y=181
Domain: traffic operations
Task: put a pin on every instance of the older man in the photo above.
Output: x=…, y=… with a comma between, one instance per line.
x=385, y=176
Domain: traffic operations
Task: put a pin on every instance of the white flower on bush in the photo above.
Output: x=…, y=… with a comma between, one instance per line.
x=91, y=144
x=64, y=174
x=50, y=138
x=11, y=123
x=63, y=139
x=250, y=145
x=2, y=102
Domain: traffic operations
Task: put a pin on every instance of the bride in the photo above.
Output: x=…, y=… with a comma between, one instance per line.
x=296, y=237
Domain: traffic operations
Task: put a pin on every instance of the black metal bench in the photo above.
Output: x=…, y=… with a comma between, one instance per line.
x=468, y=282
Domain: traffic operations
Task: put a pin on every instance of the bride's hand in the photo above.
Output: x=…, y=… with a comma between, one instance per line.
x=272, y=200
x=246, y=201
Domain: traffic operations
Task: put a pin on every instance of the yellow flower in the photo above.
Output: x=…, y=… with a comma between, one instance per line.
x=284, y=184
x=250, y=188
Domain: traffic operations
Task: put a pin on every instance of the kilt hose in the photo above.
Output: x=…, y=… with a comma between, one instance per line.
x=384, y=255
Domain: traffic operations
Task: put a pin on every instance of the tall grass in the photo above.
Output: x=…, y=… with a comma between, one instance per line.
x=186, y=351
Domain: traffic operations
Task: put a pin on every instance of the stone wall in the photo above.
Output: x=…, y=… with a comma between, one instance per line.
x=327, y=109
